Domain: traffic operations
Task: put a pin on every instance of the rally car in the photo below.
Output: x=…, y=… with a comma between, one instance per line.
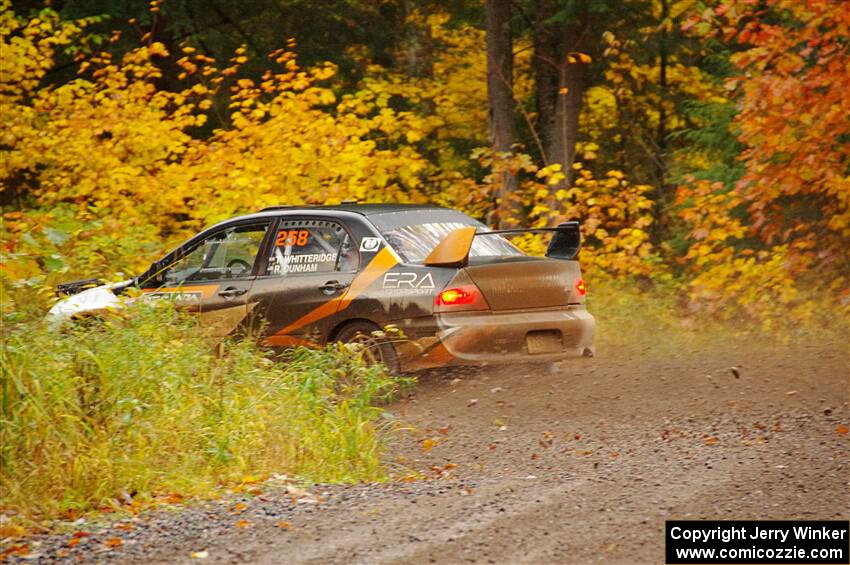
x=450, y=290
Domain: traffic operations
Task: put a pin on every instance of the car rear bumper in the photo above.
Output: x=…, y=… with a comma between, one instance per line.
x=488, y=337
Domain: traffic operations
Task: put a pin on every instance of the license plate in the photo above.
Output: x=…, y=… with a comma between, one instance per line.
x=544, y=342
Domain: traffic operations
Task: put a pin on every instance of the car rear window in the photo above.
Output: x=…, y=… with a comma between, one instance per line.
x=414, y=234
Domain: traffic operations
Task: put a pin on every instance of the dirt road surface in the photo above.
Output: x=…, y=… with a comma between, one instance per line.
x=527, y=465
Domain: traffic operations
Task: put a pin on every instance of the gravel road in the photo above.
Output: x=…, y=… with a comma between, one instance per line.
x=529, y=465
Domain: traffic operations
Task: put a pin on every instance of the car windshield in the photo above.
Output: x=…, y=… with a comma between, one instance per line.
x=414, y=234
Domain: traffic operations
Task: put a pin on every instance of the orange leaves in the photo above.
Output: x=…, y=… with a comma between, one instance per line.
x=428, y=444
x=582, y=58
x=173, y=498
x=794, y=98
x=16, y=549
x=443, y=472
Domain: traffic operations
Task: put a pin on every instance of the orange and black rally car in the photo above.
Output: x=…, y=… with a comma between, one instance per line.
x=458, y=292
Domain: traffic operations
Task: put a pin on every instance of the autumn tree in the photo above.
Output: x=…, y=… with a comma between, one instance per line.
x=795, y=99
x=779, y=234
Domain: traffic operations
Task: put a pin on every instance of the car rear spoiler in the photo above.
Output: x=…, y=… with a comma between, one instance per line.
x=453, y=250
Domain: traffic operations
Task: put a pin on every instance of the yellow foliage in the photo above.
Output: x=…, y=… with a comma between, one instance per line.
x=115, y=145
x=615, y=214
x=114, y=169
x=731, y=279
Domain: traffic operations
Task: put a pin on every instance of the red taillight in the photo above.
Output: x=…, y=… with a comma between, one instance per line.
x=455, y=296
x=580, y=287
x=466, y=297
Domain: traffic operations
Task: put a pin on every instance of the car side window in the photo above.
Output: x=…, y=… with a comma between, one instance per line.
x=226, y=254
x=311, y=246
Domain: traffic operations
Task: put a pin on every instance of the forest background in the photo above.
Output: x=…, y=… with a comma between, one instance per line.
x=704, y=145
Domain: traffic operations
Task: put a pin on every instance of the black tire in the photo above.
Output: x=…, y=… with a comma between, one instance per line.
x=375, y=349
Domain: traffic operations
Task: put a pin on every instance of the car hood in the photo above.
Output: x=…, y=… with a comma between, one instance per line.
x=88, y=302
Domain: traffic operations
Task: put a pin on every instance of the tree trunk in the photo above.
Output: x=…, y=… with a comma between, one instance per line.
x=546, y=75
x=418, y=44
x=560, y=84
x=501, y=108
x=661, y=155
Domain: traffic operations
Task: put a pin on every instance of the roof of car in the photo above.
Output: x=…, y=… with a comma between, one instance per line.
x=363, y=209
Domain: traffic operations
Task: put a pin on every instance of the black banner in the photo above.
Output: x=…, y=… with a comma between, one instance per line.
x=695, y=542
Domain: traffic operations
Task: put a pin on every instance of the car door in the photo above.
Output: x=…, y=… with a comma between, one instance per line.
x=309, y=264
x=214, y=276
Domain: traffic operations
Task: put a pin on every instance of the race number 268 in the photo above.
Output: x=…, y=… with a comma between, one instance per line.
x=292, y=238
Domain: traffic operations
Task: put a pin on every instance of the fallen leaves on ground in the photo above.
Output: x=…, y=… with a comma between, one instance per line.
x=173, y=498
x=429, y=443
x=11, y=531
x=19, y=549
x=443, y=472
x=300, y=495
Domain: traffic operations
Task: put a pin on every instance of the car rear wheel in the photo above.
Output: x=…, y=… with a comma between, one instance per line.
x=373, y=347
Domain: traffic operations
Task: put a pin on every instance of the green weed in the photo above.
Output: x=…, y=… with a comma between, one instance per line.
x=141, y=404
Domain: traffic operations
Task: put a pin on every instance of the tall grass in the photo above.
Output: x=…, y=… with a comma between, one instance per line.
x=142, y=404
x=633, y=314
